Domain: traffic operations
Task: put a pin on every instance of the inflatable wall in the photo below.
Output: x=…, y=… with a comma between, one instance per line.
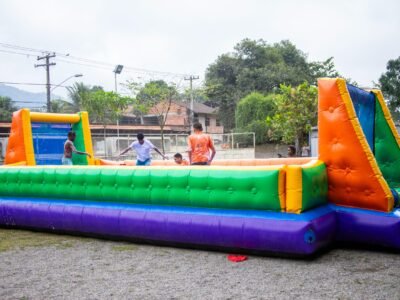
x=349, y=131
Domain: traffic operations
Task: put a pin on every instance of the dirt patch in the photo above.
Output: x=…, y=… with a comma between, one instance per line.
x=37, y=266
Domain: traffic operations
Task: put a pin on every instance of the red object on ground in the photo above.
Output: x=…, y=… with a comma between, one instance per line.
x=237, y=258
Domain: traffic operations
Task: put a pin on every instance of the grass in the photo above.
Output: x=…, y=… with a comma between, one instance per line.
x=124, y=247
x=11, y=239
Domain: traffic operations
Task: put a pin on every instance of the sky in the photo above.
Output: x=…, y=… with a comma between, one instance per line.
x=185, y=37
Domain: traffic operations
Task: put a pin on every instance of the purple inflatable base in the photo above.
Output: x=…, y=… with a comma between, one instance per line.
x=240, y=231
x=365, y=227
x=228, y=230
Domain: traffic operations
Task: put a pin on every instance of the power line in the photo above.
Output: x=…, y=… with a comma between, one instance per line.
x=25, y=83
x=83, y=64
x=14, y=52
x=23, y=48
x=94, y=63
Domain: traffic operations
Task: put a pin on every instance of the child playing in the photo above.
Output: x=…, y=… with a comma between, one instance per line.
x=179, y=160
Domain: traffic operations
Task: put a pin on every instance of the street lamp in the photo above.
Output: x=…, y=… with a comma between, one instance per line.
x=117, y=70
x=56, y=86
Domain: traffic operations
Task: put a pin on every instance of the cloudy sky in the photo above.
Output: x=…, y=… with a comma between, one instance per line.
x=184, y=37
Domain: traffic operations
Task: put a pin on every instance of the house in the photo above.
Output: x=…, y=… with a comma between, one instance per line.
x=178, y=116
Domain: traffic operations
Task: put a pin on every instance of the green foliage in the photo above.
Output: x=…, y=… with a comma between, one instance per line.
x=254, y=106
x=251, y=114
x=105, y=107
x=154, y=97
x=199, y=95
x=151, y=94
x=6, y=108
x=390, y=86
x=62, y=106
x=80, y=93
x=320, y=69
x=262, y=67
x=296, y=113
x=157, y=96
x=260, y=129
x=221, y=86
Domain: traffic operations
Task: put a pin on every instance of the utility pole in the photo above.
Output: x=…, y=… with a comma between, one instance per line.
x=191, y=78
x=47, y=64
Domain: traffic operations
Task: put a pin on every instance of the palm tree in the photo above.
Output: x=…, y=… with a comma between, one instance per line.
x=62, y=106
x=79, y=94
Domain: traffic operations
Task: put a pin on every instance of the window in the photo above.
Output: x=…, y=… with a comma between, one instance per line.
x=218, y=122
x=207, y=121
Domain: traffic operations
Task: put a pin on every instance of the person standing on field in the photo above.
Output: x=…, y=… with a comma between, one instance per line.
x=201, y=147
x=143, y=149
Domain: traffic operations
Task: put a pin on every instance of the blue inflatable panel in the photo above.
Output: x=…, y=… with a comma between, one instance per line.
x=364, y=104
x=48, y=142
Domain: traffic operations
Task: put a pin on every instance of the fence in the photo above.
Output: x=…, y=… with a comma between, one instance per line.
x=3, y=147
x=228, y=146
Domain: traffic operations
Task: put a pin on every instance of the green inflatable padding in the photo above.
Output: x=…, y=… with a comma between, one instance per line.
x=79, y=144
x=213, y=188
x=387, y=151
x=314, y=186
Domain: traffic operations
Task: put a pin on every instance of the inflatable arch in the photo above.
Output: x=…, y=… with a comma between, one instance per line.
x=37, y=138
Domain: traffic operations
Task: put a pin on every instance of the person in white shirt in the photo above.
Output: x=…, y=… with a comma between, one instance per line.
x=143, y=150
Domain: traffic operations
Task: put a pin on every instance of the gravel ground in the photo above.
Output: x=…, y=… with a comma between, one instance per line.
x=45, y=266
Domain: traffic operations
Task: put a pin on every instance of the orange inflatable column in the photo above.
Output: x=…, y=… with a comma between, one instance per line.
x=20, y=146
x=354, y=178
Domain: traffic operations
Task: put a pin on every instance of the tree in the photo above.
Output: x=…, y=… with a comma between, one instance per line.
x=296, y=112
x=390, y=86
x=105, y=107
x=256, y=66
x=320, y=69
x=62, y=106
x=199, y=95
x=155, y=97
x=6, y=108
x=80, y=93
x=251, y=113
x=221, y=87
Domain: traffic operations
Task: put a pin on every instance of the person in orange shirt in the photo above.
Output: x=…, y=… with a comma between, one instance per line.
x=179, y=160
x=200, y=145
